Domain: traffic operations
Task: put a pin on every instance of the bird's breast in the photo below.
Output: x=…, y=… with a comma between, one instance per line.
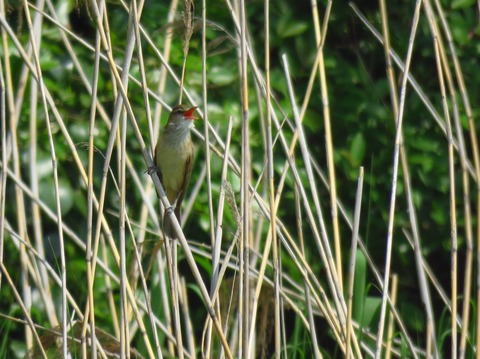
x=172, y=161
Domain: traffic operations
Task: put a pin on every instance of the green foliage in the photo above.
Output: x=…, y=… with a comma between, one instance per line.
x=360, y=284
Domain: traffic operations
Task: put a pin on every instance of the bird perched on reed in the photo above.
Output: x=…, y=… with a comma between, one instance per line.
x=174, y=159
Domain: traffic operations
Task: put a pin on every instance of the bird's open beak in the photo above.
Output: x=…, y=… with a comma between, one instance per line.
x=188, y=115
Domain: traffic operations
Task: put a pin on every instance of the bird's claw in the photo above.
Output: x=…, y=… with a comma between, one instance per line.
x=169, y=210
x=151, y=170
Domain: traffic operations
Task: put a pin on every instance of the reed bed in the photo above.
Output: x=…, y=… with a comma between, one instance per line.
x=276, y=257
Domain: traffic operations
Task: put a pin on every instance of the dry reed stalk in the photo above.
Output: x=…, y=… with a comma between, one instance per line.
x=451, y=87
x=453, y=218
x=398, y=132
x=391, y=319
x=3, y=171
x=206, y=348
x=34, y=40
x=474, y=144
x=309, y=302
x=187, y=17
x=425, y=293
x=309, y=298
x=353, y=253
x=329, y=146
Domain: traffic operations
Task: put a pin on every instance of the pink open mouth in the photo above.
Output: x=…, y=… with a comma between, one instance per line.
x=189, y=114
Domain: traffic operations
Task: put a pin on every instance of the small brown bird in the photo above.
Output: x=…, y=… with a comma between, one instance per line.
x=174, y=159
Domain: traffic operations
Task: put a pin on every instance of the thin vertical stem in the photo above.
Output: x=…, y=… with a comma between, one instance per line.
x=323, y=245
x=33, y=173
x=121, y=101
x=219, y=223
x=453, y=215
x=451, y=164
x=55, y=181
x=90, y=196
x=24, y=309
x=298, y=216
x=476, y=160
x=171, y=255
x=464, y=324
x=245, y=182
x=353, y=253
x=391, y=319
x=271, y=184
x=3, y=171
x=329, y=146
x=124, y=341
x=206, y=133
x=388, y=254
x=419, y=259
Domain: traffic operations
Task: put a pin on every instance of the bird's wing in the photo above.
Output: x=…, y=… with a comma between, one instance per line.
x=160, y=177
x=186, y=180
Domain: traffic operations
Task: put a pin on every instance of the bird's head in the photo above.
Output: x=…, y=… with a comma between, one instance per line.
x=182, y=115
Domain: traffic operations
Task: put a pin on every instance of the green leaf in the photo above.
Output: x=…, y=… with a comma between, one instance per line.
x=359, y=286
x=221, y=76
x=295, y=29
x=47, y=194
x=372, y=307
x=18, y=347
x=460, y=4
x=357, y=149
x=43, y=165
x=288, y=27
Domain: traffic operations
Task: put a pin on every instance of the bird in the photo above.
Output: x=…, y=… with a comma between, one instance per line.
x=173, y=159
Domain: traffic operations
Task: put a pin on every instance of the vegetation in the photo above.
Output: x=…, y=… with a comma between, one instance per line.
x=334, y=204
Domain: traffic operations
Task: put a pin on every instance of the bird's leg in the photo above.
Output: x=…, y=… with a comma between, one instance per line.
x=167, y=221
x=169, y=210
x=173, y=207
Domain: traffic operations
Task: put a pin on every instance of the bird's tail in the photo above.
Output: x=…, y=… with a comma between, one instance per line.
x=167, y=223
